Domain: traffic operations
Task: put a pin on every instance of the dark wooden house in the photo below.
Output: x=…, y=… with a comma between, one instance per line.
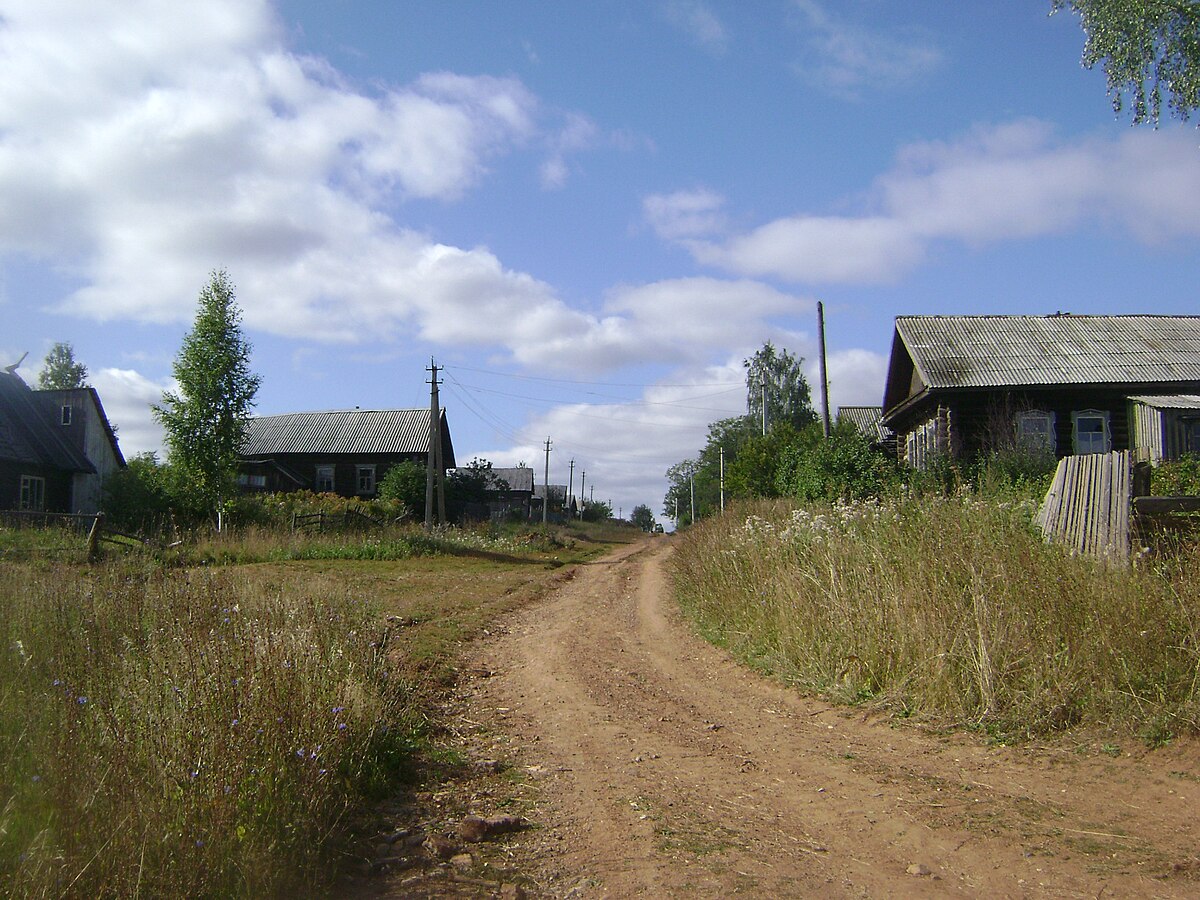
x=343, y=452
x=56, y=448
x=510, y=493
x=1062, y=384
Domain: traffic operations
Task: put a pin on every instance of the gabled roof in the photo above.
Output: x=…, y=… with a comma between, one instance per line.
x=358, y=432
x=56, y=396
x=948, y=352
x=519, y=478
x=27, y=434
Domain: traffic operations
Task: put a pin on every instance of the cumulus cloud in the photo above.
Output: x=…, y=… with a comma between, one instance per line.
x=846, y=60
x=1011, y=181
x=127, y=396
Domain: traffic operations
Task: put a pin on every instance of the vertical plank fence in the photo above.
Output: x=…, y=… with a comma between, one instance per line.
x=1088, y=505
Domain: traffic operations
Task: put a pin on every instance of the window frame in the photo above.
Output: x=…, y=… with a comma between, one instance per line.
x=33, y=493
x=320, y=486
x=1105, y=418
x=66, y=415
x=1050, y=444
x=367, y=470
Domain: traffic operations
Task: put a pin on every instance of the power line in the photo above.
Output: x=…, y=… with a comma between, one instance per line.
x=574, y=381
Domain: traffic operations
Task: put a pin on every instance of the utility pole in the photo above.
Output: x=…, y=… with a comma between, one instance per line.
x=824, y=377
x=722, y=479
x=570, y=489
x=435, y=471
x=762, y=385
x=546, y=485
x=582, y=502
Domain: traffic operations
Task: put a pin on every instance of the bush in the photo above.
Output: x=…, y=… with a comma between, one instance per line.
x=842, y=467
x=1179, y=477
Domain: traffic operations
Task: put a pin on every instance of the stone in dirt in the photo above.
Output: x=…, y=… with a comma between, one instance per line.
x=440, y=847
x=919, y=869
x=474, y=828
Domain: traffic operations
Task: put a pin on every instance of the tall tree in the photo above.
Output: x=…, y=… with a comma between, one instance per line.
x=60, y=371
x=206, y=419
x=1146, y=48
x=642, y=517
x=776, y=377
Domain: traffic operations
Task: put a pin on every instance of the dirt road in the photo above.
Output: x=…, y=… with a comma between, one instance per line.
x=659, y=768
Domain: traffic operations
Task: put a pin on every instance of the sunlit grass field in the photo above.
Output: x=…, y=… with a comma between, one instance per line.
x=171, y=726
x=952, y=609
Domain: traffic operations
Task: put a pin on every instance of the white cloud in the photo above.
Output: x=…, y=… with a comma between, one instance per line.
x=846, y=60
x=1007, y=182
x=127, y=397
x=685, y=215
x=699, y=23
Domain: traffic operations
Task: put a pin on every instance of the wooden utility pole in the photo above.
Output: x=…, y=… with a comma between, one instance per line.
x=582, y=484
x=435, y=473
x=546, y=485
x=722, y=479
x=824, y=376
x=570, y=489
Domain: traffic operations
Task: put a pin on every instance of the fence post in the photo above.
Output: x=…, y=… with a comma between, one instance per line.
x=93, y=543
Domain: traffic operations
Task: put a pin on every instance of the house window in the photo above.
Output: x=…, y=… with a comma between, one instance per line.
x=252, y=481
x=1035, y=431
x=33, y=492
x=324, y=483
x=66, y=415
x=1192, y=427
x=366, y=480
x=1090, y=429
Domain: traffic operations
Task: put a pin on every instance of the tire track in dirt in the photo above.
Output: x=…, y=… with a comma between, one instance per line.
x=664, y=769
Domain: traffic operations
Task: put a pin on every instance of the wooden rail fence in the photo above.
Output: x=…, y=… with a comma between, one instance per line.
x=1092, y=509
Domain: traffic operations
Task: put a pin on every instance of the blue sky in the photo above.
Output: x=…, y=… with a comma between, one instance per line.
x=588, y=213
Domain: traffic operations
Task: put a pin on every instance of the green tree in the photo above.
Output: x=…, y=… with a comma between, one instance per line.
x=1146, y=48
x=597, y=511
x=752, y=473
x=405, y=483
x=205, y=420
x=138, y=497
x=642, y=517
x=60, y=371
x=843, y=466
x=777, y=377
x=469, y=485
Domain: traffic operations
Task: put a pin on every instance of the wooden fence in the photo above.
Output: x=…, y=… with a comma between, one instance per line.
x=1092, y=507
x=90, y=524
x=323, y=521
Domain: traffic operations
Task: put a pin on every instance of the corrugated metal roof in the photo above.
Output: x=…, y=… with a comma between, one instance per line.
x=357, y=431
x=1013, y=351
x=1169, y=401
x=519, y=478
x=867, y=420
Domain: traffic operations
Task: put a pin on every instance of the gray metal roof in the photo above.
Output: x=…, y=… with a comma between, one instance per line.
x=1013, y=351
x=519, y=478
x=1169, y=401
x=867, y=420
x=354, y=431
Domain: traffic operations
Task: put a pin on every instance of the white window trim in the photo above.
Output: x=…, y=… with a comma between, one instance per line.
x=359, y=472
x=1104, y=415
x=1042, y=415
x=319, y=487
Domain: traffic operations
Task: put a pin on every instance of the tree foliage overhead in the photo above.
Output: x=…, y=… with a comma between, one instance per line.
x=205, y=419
x=60, y=371
x=776, y=377
x=1147, y=48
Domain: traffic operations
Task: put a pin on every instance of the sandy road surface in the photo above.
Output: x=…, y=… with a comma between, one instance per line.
x=662, y=769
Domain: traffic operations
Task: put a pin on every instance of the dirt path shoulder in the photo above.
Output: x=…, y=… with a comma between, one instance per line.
x=651, y=765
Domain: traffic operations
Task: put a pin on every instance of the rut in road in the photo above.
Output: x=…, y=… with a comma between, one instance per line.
x=670, y=770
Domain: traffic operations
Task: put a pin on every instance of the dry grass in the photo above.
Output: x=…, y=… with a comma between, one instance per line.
x=184, y=731
x=953, y=609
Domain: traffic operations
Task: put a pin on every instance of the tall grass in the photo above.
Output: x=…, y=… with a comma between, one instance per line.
x=950, y=608
x=183, y=732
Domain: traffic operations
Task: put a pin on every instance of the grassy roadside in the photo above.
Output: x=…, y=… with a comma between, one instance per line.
x=174, y=730
x=953, y=610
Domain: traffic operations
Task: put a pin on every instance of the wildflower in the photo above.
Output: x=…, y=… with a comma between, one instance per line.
x=82, y=701
x=341, y=726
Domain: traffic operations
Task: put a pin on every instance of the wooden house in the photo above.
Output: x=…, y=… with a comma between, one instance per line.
x=56, y=448
x=868, y=421
x=343, y=452
x=510, y=493
x=1061, y=384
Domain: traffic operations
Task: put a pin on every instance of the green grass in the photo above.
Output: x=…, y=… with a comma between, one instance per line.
x=951, y=609
x=223, y=730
